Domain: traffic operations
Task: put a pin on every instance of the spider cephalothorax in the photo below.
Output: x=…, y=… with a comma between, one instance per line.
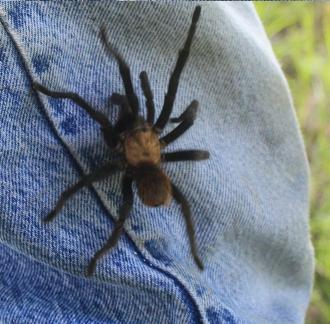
x=142, y=146
x=139, y=143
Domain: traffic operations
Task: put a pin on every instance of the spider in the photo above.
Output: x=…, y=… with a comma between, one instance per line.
x=138, y=144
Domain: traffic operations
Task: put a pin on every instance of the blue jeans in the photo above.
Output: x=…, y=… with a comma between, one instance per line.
x=249, y=201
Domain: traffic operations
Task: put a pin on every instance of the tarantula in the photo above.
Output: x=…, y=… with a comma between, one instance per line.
x=139, y=145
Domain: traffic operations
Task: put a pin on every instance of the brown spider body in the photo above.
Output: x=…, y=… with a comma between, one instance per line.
x=140, y=144
x=142, y=150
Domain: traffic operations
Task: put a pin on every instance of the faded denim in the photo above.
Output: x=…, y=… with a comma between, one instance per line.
x=249, y=201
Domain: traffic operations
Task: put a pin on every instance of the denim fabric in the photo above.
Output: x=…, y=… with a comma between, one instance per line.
x=249, y=201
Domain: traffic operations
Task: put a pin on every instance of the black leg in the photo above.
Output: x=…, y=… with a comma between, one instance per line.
x=190, y=110
x=187, y=118
x=180, y=199
x=106, y=127
x=126, y=119
x=121, y=100
x=117, y=99
x=149, y=97
x=187, y=155
x=174, y=79
x=124, y=72
x=86, y=180
x=119, y=226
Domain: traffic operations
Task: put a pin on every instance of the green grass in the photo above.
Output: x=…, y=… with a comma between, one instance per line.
x=300, y=35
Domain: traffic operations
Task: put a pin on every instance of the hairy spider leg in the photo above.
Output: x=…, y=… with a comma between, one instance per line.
x=124, y=72
x=187, y=117
x=186, y=155
x=98, y=175
x=191, y=109
x=106, y=127
x=181, y=200
x=121, y=100
x=174, y=79
x=145, y=84
x=124, y=211
x=126, y=118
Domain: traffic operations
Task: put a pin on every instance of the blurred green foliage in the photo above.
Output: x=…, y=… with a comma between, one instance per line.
x=300, y=35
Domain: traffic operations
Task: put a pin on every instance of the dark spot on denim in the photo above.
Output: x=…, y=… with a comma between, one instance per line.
x=16, y=293
x=53, y=166
x=69, y=126
x=2, y=54
x=10, y=96
x=70, y=231
x=219, y=316
x=14, y=203
x=56, y=49
x=118, y=259
x=158, y=249
x=117, y=263
x=16, y=98
x=160, y=284
x=136, y=228
x=200, y=291
x=57, y=105
x=120, y=315
x=21, y=192
x=40, y=63
x=19, y=13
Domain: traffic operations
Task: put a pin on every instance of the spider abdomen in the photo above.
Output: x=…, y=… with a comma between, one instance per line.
x=142, y=147
x=154, y=186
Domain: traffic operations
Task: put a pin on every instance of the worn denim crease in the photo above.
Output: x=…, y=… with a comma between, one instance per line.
x=249, y=201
